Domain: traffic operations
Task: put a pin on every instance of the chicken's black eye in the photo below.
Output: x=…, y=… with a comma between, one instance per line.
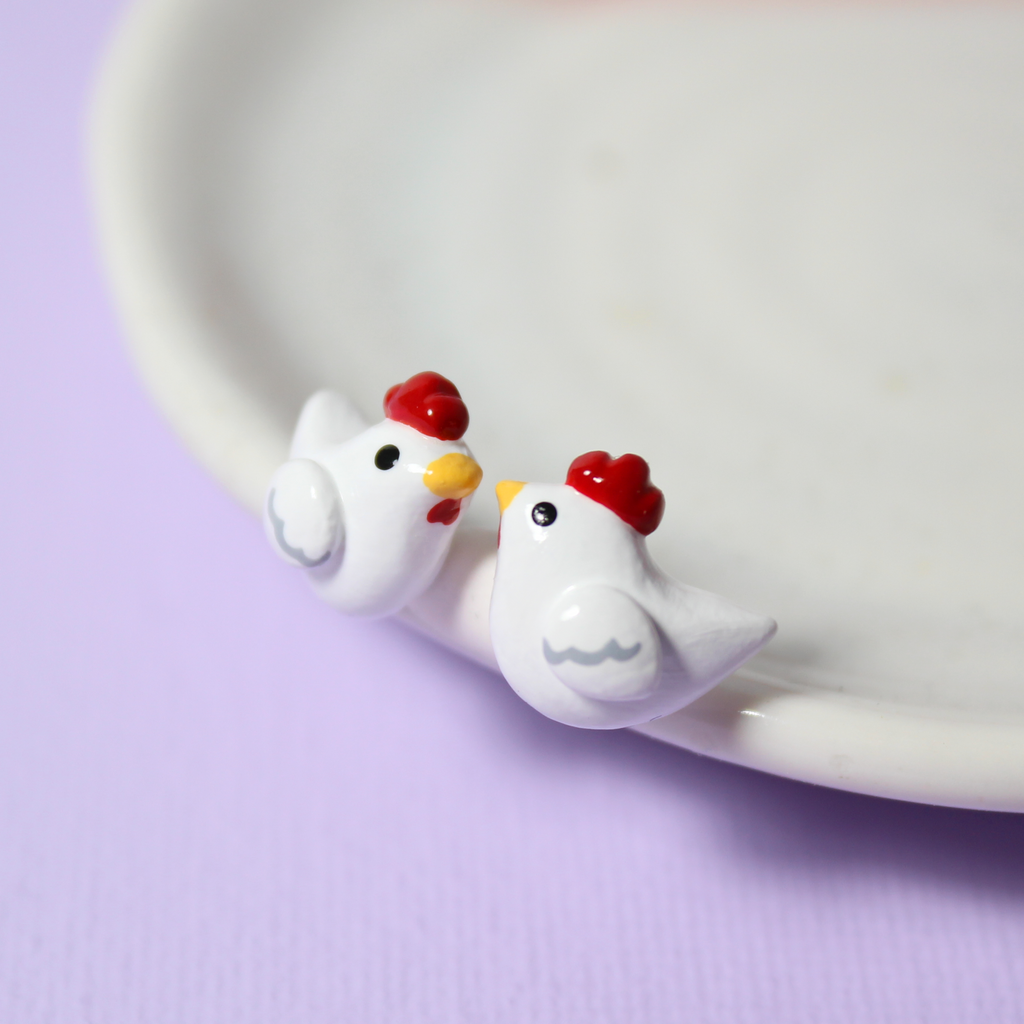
x=386, y=457
x=544, y=513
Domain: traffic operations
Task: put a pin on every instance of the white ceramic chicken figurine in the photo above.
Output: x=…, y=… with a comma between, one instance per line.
x=585, y=627
x=369, y=512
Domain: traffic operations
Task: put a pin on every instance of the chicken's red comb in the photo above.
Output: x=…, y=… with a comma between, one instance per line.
x=431, y=404
x=623, y=485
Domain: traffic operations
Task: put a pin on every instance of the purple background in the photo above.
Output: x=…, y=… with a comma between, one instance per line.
x=222, y=802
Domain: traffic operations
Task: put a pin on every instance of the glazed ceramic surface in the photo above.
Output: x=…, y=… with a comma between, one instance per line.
x=586, y=628
x=780, y=253
x=370, y=512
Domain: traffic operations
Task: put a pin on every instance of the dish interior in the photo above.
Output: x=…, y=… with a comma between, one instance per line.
x=779, y=254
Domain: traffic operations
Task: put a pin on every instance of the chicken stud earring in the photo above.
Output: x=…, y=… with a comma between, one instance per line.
x=585, y=627
x=369, y=512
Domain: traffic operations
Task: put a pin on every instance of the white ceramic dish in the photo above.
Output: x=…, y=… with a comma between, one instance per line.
x=778, y=253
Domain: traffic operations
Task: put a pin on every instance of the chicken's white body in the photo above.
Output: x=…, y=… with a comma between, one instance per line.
x=590, y=632
x=364, y=533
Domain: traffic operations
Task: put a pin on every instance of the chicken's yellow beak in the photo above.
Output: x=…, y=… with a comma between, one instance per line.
x=506, y=491
x=453, y=476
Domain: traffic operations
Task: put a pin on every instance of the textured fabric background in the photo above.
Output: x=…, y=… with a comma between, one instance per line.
x=221, y=803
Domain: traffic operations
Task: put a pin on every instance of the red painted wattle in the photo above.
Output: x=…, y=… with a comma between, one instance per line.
x=445, y=512
x=622, y=485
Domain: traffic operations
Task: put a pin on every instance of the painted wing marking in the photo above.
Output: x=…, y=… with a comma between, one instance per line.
x=298, y=554
x=610, y=650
